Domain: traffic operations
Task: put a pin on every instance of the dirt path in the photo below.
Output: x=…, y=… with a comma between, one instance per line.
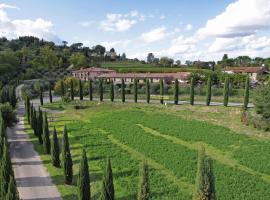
x=33, y=180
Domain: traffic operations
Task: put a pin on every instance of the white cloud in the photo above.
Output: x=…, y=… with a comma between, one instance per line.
x=162, y=17
x=114, y=44
x=24, y=27
x=188, y=27
x=120, y=22
x=182, y=45
x=154, y=35
x=86, y=24
x=241, y=18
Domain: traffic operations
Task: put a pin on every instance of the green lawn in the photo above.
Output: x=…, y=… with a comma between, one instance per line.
x=168, y=138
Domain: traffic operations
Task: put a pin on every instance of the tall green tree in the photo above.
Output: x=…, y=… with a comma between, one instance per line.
x=84, y=179
x=176, y=91
x=62, y=88
x=208, y=91
x=46, y=135
x=123, y=88
x=205, y=182
x=147, y=91
x=135, y=85
x=67, y=163
x=91, y=90
x=81, y=90
x=111, y=90
x=192, y=85
x=161, y=88
x=226, y=91
x=71, y=90
x=27, y=105
x=34, y=122
x=107, y=183
x=144, y=185
x=40, y=126
x=13, y=98
x=55, y=149
x=246, y=98
x=50, y=94
x=41, y=96
x=12, y=193
x=101, y=89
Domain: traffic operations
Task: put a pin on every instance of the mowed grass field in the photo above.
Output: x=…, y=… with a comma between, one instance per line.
x=168, y=139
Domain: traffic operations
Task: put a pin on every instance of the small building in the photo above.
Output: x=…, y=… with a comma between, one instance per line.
x=91, y=73
x=253, y=72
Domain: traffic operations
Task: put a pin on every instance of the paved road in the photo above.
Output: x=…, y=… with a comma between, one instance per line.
x=33, y=181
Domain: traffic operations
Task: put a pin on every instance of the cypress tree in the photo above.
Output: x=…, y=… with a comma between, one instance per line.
x=27, y=105
x=107, y=183
x=246, y=98
x=144, y=185
x=46, y=135
x=226, y=91
x=205, y=182
x=90, y=90
x=135, y=85
x=192, y=84
x=40, y=126
x=50, y=94
x=62, y=88
x=2, y=127
x=55, y=150
x=123, y=90
x=81, y=90
x=13, y=98
x=84, y=179
x=176, y=91
x=208, y=90
x=101, y=89
x=66, y=158
x=147, y=91
x=41, y=96
x=112, y=91
x=71, y=90
x=12, y=190
x=34, y=122
x=161, y=88
x=31, y=115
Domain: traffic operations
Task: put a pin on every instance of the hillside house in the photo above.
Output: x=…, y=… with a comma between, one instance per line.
x=90, y=73
x=253, y=72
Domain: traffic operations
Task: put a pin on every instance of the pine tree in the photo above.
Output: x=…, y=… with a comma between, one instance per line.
x=62, y=88
x=147, y=91
x=12, y=190
x=46, y=135
x=50, y=94
x=176, y=91
x=101, y=89
x=192, y=84
x=226, y=91
x=41, y=96
x=135, y=90
x=208, y=91
x=161, y=88
x=144, y=185
x=91, y=90
x=66, y=158
x=81, y=90
x=123, y=90
x=246, y=98
x=55, y=149
x=111, y=90
x=84, y=179
x=205, y=182
x=40, y=126
x=107, y=183
x=71, y=90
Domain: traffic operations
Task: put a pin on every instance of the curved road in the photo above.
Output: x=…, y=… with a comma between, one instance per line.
x=33, y=180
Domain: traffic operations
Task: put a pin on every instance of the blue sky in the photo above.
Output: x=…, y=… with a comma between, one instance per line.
x=185, y=30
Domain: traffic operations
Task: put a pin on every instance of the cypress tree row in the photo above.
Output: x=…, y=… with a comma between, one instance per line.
x=66, y=158
x=40, y=126
x=13, y=98
x=91, y=90
x=208, y=91
x=246, y=98
x=12, y=193
x=107, y=183
x=135, y=85
x=205, y=182
x=101, y=89
x=41, y=96
x=55, y=151
x=46, y=135
x=27, y=108
x=161, y=88
x=50, y=94
x=71, y=90
x=226, y=91
x=111, y=90
x=147, y=91
x=123, y=90
x=62, y=88
x=192, y=85
x=81, y=90
x=84, y=179
x=144, y=185
x=176, y=91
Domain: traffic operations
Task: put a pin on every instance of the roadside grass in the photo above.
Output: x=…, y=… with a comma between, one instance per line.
x=168, y=138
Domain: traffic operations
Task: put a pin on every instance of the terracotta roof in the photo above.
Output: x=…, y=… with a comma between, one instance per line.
x=94, y=69
x=244, y=69
x=180, y=75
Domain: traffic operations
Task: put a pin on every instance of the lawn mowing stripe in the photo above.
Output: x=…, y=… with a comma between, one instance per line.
x=214, y=153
